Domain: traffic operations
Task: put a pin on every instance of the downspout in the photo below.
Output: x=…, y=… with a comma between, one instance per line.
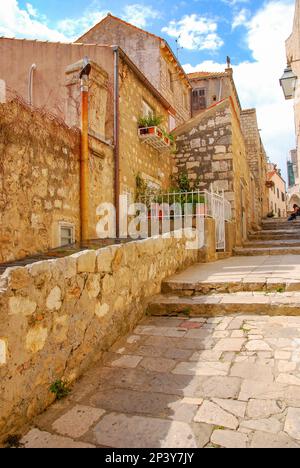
x=30, y=84
x=220, y=89
x=84, y=157
x=117, y=138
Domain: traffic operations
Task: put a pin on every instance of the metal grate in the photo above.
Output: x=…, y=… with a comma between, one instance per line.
x=154, y=137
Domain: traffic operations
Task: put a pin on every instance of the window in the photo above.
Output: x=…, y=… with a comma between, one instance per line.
x=277, y=193
x=282, y=196
x=199, y=99
x=172, y=122
x=66, y=234
x=170, y=79
x=185, y=100
x=147, y=110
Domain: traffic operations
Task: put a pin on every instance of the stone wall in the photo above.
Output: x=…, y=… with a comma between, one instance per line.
x=211, y=151
x=257, y=163
x=293, y=56
x=39, y=183
x=146, y=51
x=241, y=182
x=51, y=89
x=40, y=180
x=137, y=157
x=217, y=86
x=58, y=317
x=177, y=92
x=277, y=195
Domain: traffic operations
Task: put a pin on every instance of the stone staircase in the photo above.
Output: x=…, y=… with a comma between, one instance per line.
x=262, y=278
x=277, y=237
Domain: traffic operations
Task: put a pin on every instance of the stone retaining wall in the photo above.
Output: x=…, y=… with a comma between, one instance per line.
x=57, y=317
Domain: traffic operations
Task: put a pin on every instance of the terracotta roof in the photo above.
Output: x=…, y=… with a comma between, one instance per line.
x=271, y=174
x=163, y=41
x=204, y=74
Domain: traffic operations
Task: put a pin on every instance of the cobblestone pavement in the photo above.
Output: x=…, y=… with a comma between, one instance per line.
x=231, y=381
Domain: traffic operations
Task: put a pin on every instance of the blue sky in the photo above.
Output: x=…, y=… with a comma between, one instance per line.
x=162, y=13
x=251, y=32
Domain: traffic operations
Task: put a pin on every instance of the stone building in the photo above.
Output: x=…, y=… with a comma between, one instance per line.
x=292, y=168
x=211, y=87
x=211, y=151
x=293, y=193
x=277, y=192
x=257, y=161
x=153, y=56
x=293, y=58
x=56, y=88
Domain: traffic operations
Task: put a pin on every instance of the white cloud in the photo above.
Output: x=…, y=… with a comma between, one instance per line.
x=195, y=32
x=258, y=81
x=140, y=14
x=29, y=23
x=234, y=2
x=73, y=28
x=25, y=23
x=240, y=18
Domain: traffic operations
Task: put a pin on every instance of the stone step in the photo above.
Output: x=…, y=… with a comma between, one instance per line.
x=267, y=243
x=290, y=225
x=222, y=304
x=269, y=235
x=240, y=251
x=223, y=255
x=258, y=283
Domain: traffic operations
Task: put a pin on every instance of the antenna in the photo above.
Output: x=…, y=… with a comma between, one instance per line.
x=178, y=47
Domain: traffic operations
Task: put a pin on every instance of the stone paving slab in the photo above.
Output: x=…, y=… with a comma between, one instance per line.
x=236, y=392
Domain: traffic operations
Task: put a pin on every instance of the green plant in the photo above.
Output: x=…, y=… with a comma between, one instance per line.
x=183, y=182
x=150, y=121
x=60, y=389
x=280, y=289
x=141, y=187
x=186, y=311
x=172, y=138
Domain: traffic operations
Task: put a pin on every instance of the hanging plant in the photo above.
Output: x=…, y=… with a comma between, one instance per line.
x=141, y=187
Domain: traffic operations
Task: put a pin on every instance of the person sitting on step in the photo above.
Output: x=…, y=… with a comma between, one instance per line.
x=295, y=213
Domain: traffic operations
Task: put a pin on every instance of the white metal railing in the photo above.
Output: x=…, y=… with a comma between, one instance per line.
x=174, y=205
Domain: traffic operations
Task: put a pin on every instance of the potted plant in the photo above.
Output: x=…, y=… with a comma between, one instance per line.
x=270, y=184
x=147, y=124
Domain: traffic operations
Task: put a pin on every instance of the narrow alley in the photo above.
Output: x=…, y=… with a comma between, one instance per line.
x=216, y=363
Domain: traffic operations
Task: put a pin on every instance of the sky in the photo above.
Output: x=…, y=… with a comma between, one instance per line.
x=202, y=32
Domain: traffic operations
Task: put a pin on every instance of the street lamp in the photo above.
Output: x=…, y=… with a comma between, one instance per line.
x=288, y=82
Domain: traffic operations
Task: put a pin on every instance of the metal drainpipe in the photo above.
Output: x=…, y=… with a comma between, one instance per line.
x=84, y=159
x=117, y=137
x=30, y=84
x=220, y=88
